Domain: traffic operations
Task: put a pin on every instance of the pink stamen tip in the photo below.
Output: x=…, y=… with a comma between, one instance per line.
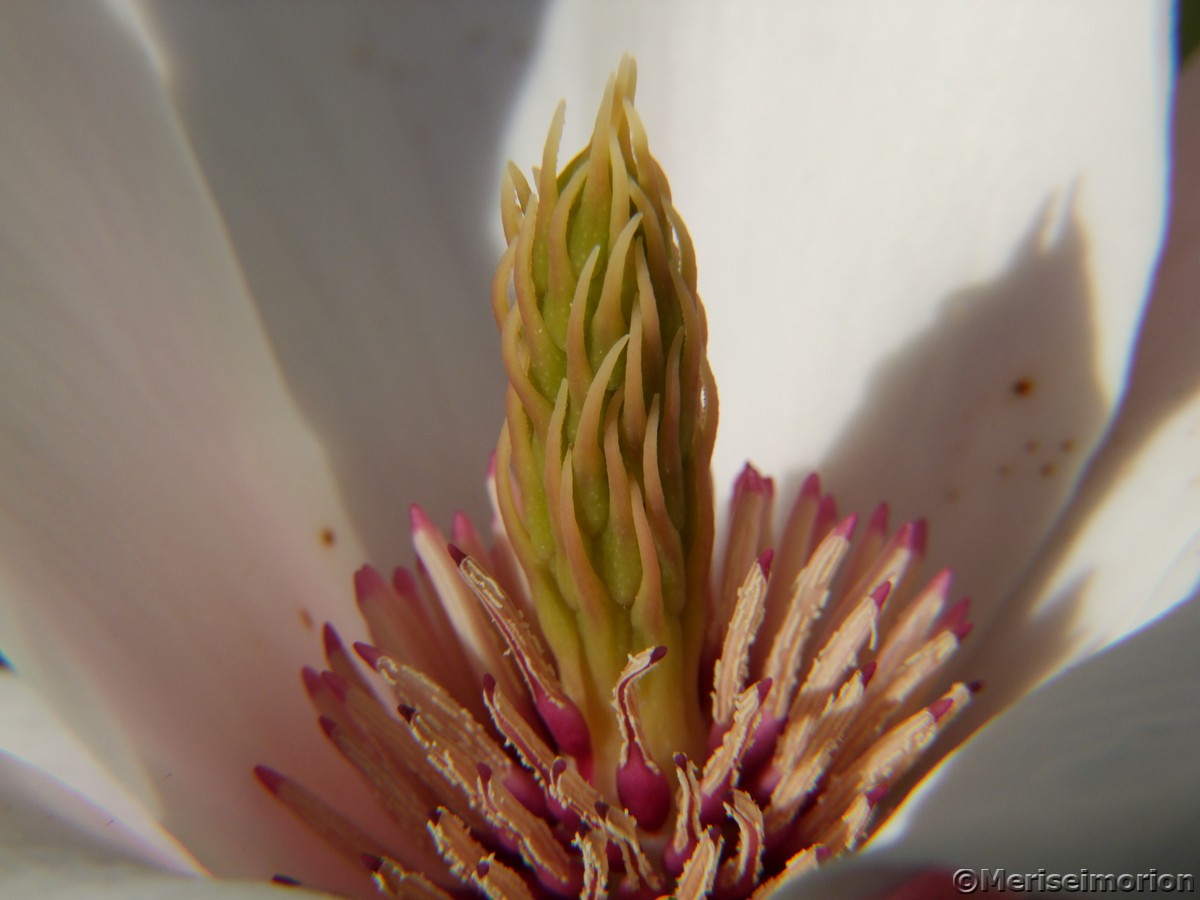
x=811, y=487
x=955, y=619
x=879, y=519
x=406, y=712
x=485, y=772
x=418, y=521
x=270, y=779
x=489, y=685
x=371, y=861
x=601, y=809
x=976, y=686
x=482, y=868
x=958, y=611
x=827, y=510
x=880, y=594
x=336, y=683
x=328, y=726
x=919, y=539
x=455, y=554
x=312, y=680
x=657, y=654
x=846, y=527
x=460, y=527
x=333, y=643
x=875, y=794
x=286, y=881
x=764, y=561
x=367, y=583
x=405, y=583
x=558, y=767
x=822, y=853
x=681, y=760
x=370, y=655
x=750, y=479
x=942, y=580
x=764, y=688
x=939, y=708
x=868, y=672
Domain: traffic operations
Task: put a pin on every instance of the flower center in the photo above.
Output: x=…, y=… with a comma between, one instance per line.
x=583, y=706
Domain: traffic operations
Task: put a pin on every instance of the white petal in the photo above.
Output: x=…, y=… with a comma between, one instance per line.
x=900, y=215
x=1097, y=767
x=352, y=151
x=1128, y=546
x=53, y=844
x=32, y=734
x=161, y=502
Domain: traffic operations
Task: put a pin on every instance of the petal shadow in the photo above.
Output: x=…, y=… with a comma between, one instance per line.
x=356, y=170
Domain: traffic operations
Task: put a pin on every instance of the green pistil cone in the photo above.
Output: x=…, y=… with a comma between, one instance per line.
x=603, y=466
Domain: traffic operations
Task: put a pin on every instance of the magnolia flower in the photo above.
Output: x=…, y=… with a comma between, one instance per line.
x=183, y=498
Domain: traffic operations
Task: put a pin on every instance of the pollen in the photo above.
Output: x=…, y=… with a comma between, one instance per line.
x=593, y=702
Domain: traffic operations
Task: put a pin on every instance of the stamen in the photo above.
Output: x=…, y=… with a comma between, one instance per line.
x=804, y=752
x=527, y=834
x=738, y=875
x=794, y=550
x=688, y=828
x=889, y=758
x=807, y=860
x=593, y=847
x=641, y=785
x=729, y=676
x=809, y=596
x=393, y=880
x=840, y=653
x=340, y=661
x=724, y=765
x=471, y=862
x=561, y=716
x=469, y=621
x=339, y=832
x=700, y=872
x=750, y=517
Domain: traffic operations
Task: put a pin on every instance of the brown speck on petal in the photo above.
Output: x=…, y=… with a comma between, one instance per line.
x=1023, y=387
